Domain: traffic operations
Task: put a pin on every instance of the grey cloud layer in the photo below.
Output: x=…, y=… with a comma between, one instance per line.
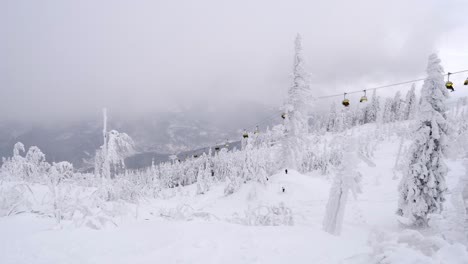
x=69, y=58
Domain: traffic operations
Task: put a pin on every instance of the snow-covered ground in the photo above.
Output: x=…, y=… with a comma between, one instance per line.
x=214, y=228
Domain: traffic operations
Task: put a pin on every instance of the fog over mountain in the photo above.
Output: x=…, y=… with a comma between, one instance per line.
x=160, y=133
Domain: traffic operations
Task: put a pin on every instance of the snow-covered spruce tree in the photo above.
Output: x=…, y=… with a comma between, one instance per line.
x=296, y=123
x=410, y=104
x=374, y=107
x=396, y=107
x=204, y=177
x=387, y=111
x=422, y=189
x=331, y=123
x=365, y=114
x=359, y=115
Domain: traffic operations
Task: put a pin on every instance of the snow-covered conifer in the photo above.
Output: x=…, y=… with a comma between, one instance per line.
x=374, y=108
x=387, y=111
x=422, y=188
x=203, y=179
x=331, y=118
x=296, y=123
x=410, y=104
x=396, y=107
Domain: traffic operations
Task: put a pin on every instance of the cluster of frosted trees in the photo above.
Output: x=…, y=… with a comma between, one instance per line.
x=33, y=166
x=233, y=168
x=422, y=189
x=392, y=109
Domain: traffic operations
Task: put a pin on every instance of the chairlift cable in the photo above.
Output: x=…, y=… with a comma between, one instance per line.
x=278, y=112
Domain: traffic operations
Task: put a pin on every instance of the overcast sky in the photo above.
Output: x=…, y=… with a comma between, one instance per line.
x=67, y=59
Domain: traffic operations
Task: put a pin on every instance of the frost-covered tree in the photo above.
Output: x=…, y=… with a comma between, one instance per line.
x=347, y=179
x=57, y=173
x=422, y=189
x=36, y=165
x=296, y=122
x=387, y=111
x=204, y=177
x=331, y=123
x=32, y=167
x=343, y=121
x=119, y=146
x=374, y=108
x=15, y=167
x=410, y=104
x=17, y=148
x=109, y=159
x=364, y=115
x=396, y=107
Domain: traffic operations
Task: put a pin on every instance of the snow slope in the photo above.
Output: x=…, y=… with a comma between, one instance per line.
x=211, y=228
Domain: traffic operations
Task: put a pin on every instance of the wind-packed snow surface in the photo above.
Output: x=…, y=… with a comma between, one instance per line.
x=260, y=223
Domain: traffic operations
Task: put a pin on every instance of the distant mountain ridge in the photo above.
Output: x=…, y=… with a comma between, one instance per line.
x=156, y=135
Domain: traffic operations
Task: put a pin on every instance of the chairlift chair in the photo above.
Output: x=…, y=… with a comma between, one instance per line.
x=363, y=98
x=345, y=101
x=449, y=84
x=245, y=135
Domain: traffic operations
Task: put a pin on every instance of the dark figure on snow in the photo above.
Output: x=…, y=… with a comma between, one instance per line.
x=286, y=171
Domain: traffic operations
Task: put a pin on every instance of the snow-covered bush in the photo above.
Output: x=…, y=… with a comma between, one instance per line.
x=184, y=212
x=266, y=216
x=15, y=198
x=31, y=167
x=410, y=246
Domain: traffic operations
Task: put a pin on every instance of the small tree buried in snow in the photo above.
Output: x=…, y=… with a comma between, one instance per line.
x=346, y=179
x=266, y=215
x=57, y=173
x=422, y=189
